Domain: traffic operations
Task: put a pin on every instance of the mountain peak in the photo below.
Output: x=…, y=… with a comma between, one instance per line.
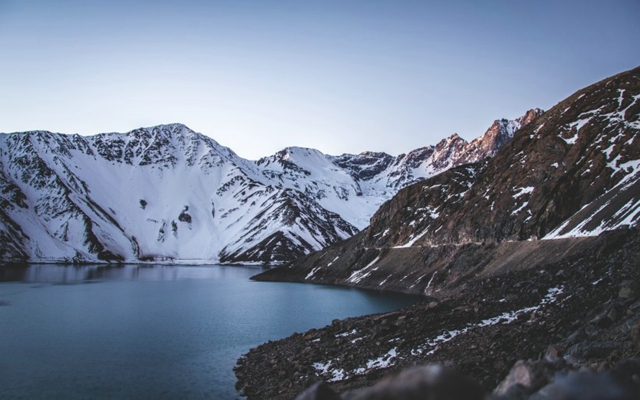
x=297, y=150
x=529, y=116
x=497, y=136
x=173, y=126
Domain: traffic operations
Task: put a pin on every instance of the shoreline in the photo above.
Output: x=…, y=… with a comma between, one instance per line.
x=567, y=308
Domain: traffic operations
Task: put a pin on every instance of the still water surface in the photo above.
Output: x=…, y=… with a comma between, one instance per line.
x=147, y=332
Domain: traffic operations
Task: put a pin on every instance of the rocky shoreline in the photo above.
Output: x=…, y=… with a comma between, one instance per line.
x=580, y=311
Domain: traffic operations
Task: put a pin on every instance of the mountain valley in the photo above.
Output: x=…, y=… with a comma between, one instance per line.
x=523, y=242
x=530, y=255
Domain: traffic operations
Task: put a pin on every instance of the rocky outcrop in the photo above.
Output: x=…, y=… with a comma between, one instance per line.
x=436, y=271
x=496, y=137
x=383, y=173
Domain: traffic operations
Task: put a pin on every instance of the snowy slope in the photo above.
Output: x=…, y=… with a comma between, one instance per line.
x=163, y=193
x=614, y=151
x=167, y=193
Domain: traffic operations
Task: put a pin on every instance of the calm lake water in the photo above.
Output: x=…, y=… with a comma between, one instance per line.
x=147, y=332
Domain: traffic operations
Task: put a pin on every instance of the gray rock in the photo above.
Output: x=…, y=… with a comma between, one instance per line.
x=589, y=385
x=628, y=290
x=421, y=383
x=583, y=351
x=526, y=377
x=319, y=391
x=525, y=374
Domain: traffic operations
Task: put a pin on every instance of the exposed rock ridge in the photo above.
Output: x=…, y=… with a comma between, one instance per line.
x=452, y=151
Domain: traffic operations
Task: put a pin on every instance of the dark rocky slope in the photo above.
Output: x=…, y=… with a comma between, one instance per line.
x=580, y=311
x=530, y=253
x=571, y=173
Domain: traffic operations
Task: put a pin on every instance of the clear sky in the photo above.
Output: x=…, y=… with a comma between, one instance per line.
x=340, y=76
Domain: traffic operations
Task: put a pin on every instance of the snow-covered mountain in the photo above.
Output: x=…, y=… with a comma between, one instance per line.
x=566, y=179
x=573, y=172
x=536, y=248
x=382, y=173
x=167, y=193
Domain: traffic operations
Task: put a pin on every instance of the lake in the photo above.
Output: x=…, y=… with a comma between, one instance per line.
x=151, y=331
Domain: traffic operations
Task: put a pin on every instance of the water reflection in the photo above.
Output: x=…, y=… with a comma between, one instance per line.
x=152, y=331
x=74, y=274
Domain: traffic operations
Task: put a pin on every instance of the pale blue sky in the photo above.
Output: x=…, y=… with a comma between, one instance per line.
x=339, y=76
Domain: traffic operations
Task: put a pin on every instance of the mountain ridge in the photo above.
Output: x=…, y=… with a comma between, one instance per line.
x=169, y=194
x=529, y=255
x=572, y=172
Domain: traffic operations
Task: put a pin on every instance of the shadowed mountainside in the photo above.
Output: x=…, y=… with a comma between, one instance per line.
x=533, y=254
x=569, y=175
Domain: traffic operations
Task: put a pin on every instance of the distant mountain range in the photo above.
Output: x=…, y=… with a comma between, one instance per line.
x=167, y=193
x=569, y=175
x=532, y=255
